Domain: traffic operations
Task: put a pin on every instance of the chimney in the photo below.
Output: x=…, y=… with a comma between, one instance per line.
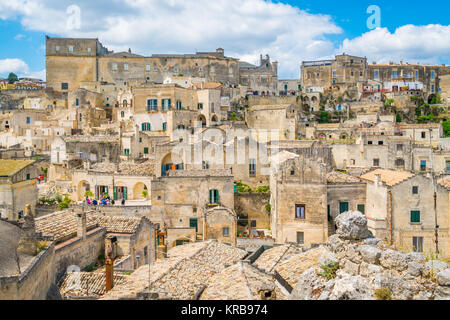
x=377, y=179
x=28, y=241
x=81, y=224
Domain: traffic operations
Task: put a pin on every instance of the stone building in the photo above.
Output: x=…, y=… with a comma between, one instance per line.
x=343, y=76
x=71, y=61
x=298, y=199
x=182, y=198
x=27, y=263
x=126, y=180
x=262, y=79
x=344, y=193
x=400, y=209
x=17, y=187
x=280, y=121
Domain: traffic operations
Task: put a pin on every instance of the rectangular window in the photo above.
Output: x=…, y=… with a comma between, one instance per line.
x=20, y=214
x=300, y=211
x=164, y=126
x=253, y=223
x=125, y=67
x=252, y=167
x=400, y=147
x=226, y=231
x=447, y=164
x=114, y=67
x=200, y=106
x=193, y=223
x=432, y=75
x=343, y=207
x=423, y=165
x=417, y=244
x=213, y=196
x=423, y=134
x=369, y=142
x=126, y=152
x=28, y=120
x=361, y=208
x=89, y=50
x=77, y=102
x=300, y=237
x=145, y=150
x=64, y=86
x=166, y=104
x=148, y=67
x=71, y=49
x=28, y=176
x=417, y=74
x=152, y=105
x=394, y=74
x=205, y=165
x=179, y=107
x=377, y=74
x=380, y=143
x=57, y=48
x=415, y=216
x=399, y=162
x=376, y=162
x=415, y=190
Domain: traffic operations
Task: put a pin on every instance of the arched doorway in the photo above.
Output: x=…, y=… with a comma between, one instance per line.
x=140, y=191
x=202, y=118
x=214, y=118
x=168, y=163
x=82, y=187
x=181, y=241
x=431, y=98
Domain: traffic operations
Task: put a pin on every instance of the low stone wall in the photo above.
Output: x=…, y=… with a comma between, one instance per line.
x=253, y=244
x=79, y=252
x=34, y=282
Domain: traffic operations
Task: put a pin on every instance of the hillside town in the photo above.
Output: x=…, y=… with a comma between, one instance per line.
x=200, y=176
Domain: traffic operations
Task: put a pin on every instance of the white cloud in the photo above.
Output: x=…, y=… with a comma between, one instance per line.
x=13, y=65
x=19, y=36
x=244, y=28
x=20, y=68
x=424, y=44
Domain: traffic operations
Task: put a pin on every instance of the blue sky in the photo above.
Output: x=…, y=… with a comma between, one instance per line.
x=289, y=31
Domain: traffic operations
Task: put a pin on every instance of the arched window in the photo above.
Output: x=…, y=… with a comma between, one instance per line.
x=122, y=114
x=125, y=103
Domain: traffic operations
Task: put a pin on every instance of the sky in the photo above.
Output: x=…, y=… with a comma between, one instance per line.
x=290, y=31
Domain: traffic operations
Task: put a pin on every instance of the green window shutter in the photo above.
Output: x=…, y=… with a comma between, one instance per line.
x=143, y=126
x=216, y=195
x=168, y=104
x=164, y=127
x=125, y=193
x=115, y=193
x=145, y=150
x=149, y=128
x=415, y=216
x=361, y=208
x=210, y=196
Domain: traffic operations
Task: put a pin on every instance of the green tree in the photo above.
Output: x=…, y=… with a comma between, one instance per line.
x=324, y=117
x=446, y=126
x=12, y=77
x=398, y=117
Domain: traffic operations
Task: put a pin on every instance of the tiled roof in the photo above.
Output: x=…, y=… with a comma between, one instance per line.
x=187, y=269
x=206, y=85
x=445, y=182
x=339, y=177
x=241, y=281
x=87, y=284
x=269, y=259
x=62, y=225
x=389, y=177
x=10, y=167
x=117, y=224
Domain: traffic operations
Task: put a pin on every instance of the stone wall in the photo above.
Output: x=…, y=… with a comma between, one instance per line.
x=252, y=206
x=79, y=252
x=34, y=282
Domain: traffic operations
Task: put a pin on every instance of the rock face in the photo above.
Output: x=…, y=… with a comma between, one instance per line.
x=369, y=270
x=352, y=225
